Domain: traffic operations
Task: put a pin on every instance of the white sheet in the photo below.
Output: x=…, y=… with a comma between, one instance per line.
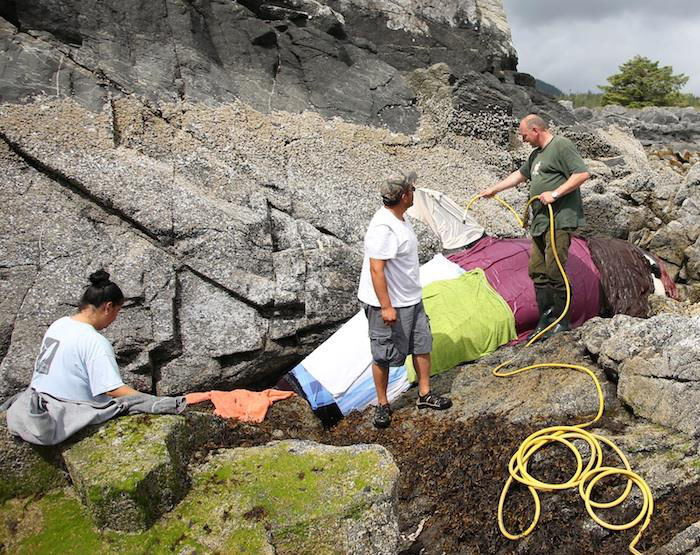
x=341, y=360
x=338, y=361
x=659, y=288
x=437, y=269
x=445, y=218
x=363, y=394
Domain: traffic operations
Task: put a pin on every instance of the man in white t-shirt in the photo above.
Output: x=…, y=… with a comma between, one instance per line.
x=391, y=295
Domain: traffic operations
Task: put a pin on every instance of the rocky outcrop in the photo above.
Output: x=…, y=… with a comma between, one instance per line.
x=229, y=231
x=650, y=204
x=675, y=238
x=483, y=103
x=27, y=469
x=132, y=470
x=347, y=58
x=292, y=496
x=680, y=160
x=658, y=441
x=656, y=364
x=283, y=497
x=687, y=542
x=536, y=395
x=468, y=35
x=200, y=481
x=272, y=57
x=296, y=497
x=340, y=58
x=236, y=237
x=236, y=258
x=678, y=128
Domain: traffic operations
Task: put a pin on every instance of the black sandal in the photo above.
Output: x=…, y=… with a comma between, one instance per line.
x=432, y=401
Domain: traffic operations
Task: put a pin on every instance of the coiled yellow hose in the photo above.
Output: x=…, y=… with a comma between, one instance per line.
x=593, y=472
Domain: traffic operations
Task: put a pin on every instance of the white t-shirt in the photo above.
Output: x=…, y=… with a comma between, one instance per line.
x=393, y=240
x=75, y=363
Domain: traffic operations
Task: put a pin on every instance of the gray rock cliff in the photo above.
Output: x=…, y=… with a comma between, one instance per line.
x=340, y=58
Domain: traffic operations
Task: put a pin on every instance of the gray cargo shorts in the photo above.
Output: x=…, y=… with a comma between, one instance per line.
x=409, y=335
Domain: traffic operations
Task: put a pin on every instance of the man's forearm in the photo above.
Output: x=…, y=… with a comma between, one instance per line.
x=376, y=272
x=123, y=391
x=512, y=180
x=571, y=184
x=380, y=287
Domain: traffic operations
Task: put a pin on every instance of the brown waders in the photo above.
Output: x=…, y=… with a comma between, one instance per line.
x=550, y=289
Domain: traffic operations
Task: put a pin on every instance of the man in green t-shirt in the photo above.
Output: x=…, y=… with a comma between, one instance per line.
x=555, y=170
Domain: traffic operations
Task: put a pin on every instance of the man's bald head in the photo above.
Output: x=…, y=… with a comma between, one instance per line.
x=535, y=131
x=533, y=120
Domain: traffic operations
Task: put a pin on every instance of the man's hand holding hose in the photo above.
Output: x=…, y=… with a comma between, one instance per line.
x=488, y=193
x=547, y=198
x=512, y=180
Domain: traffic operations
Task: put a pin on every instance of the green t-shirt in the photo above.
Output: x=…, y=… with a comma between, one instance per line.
x=547, y=168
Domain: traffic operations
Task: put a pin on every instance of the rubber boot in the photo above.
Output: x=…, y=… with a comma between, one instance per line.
x=543, y=296
x=558, y=306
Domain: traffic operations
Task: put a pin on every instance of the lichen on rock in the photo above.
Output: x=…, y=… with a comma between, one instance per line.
x=27, y=469
x=284, y=497
x=131, y=470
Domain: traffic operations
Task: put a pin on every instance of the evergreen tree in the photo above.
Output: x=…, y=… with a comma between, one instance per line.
x=641, y=82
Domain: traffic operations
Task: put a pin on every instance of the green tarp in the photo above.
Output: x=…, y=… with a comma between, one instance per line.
x=468, y=320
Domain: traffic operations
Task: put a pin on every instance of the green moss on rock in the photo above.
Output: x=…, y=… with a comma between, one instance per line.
x=131, y=470
x=56, y=523
x=287, y=497
x=26, y=469
x=301, y=493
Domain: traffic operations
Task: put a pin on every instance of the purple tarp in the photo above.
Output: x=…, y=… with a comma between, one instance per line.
x=504, y=262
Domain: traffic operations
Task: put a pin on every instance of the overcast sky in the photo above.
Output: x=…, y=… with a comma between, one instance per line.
x=576, y=44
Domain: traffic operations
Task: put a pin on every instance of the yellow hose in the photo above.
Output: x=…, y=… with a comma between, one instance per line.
x=593, y=471
x=499, y=199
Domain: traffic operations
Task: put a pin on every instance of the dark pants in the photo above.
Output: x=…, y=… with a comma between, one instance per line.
x=550, y=289
x=543, y=268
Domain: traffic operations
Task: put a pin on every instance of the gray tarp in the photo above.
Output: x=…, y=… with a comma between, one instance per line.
x=42, y=419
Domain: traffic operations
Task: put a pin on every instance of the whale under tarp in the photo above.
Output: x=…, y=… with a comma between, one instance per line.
x=478, y=298
x=504, y=262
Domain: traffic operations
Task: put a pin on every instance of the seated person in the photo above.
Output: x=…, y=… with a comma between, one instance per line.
x=76, y=362
x=76, y=381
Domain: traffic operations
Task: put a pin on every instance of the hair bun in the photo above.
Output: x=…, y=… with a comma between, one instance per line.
x=100, y=278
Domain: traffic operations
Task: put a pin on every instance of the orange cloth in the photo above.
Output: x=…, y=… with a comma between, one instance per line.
x=247, y=406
